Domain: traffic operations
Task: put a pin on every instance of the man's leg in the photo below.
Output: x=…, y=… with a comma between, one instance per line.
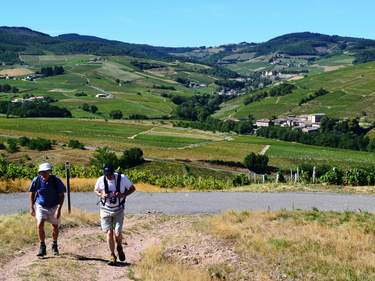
x=55, y=236
x=111, y=242
x=41, y=233
x=119, y=221
x=42, y=236
x=111, y=246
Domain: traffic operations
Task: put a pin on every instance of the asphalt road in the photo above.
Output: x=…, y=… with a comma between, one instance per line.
x=209, y=202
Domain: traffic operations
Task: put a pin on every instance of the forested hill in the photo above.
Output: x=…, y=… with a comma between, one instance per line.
x=16, y=40
x=22, y=40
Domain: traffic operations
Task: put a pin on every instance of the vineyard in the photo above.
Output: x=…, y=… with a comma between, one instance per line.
x=351, y=177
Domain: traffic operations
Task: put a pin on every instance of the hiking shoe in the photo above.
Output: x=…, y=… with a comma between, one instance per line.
x=112, y=260
x=42, y=250
x=121, y=254
x=55, y=249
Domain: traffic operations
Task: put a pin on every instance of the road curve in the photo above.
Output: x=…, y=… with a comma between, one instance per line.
x=209, y=202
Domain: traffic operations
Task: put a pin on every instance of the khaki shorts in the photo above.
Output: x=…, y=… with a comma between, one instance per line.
x=46, y=214
x=112, y=221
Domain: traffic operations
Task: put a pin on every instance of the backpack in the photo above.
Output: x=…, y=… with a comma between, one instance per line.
x=118, y=189
x=37, y=183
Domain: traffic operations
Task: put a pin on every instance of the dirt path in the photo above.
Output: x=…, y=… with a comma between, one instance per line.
x=264, y=150
x=84, y=253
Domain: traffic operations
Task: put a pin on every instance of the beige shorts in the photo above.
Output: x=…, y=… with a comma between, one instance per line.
x=46, y=214
x=112, y=221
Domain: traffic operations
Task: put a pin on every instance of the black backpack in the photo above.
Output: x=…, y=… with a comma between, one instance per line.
x=118, y=189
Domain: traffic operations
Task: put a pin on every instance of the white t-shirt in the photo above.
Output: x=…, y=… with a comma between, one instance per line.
x=112, y=204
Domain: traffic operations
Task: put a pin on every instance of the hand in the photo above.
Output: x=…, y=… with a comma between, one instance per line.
x=58, y=214
x=104, y=195
x=32, y=212
x=118, y=194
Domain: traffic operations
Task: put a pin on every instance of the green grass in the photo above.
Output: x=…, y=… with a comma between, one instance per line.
x=167, y=142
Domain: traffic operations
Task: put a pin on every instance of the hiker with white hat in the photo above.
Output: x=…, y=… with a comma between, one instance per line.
x=46, y=200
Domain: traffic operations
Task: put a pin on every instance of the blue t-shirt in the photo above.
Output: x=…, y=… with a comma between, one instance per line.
x=48, y=192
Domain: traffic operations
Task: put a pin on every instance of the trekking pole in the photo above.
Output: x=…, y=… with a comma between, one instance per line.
x=67, y=169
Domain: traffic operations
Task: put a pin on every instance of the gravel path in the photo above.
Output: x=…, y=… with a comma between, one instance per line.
x=209, y=202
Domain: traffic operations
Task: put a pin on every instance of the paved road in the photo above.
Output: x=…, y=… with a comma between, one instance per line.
x=210, y=202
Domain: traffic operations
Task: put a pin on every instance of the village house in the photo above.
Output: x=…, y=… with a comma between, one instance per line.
x=263, y=122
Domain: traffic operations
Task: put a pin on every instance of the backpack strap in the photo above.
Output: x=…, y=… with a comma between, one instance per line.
x=37, y=187
x=106, y=190
x=118, y=189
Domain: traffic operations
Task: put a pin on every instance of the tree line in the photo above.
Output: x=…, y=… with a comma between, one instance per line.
x=346, y=134
x=281, y=90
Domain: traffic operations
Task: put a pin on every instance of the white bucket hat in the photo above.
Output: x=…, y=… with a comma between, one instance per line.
x=45, y=167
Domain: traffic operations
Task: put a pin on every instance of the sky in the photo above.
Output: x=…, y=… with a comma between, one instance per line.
x=192, y=22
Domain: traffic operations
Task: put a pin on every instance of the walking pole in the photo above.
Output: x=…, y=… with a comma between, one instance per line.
x=67, y=169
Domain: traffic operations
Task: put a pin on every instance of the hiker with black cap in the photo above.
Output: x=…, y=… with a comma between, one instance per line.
x=46, y=200
x=113, y=188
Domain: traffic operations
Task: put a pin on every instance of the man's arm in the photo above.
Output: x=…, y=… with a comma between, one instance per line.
x=32, y=201
x=129, y=191
x=60, y=204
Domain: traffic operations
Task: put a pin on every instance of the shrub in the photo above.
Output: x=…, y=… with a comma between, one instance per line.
x=102, y=156
x=256, y=162
x=333, y=176
x=23, y=141
x=75, y=144
x=11, y=145
x=131, y=158
x=39, y=144
x=116, y=114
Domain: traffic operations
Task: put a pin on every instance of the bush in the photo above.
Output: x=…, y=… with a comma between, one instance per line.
x=80, y=94
x=11, y=145
x=24, y=141
x=333, y=176
x=39, y=144
x=131, y=158
x=75, y=144
x=116, y=114
x=256, y=162
x=103, y=156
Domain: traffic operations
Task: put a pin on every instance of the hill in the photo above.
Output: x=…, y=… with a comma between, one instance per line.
x=350, y=94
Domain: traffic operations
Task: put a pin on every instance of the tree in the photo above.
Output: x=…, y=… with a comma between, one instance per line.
x=371, y=145
x=131, y=158
x=256, y=162
x=116, y=114
x=104, y=156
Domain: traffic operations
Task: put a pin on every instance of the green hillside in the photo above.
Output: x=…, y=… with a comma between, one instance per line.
x=351, y=94
x=132, y=90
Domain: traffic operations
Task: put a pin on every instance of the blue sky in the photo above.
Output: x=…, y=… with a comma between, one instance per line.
x=194, y=22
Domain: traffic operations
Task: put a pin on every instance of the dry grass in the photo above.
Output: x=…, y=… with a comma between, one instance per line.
x=302, y=245
x=19, y=231
x=15, y=72
x=77, y=185
x=154, y=267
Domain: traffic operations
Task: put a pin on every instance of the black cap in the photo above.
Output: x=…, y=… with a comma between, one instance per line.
x=108, y=169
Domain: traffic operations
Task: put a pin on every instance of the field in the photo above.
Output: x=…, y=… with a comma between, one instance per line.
x=351, y=95
x=162, y=141
x=273, y=246
x=132, y=90
x=15, y=72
